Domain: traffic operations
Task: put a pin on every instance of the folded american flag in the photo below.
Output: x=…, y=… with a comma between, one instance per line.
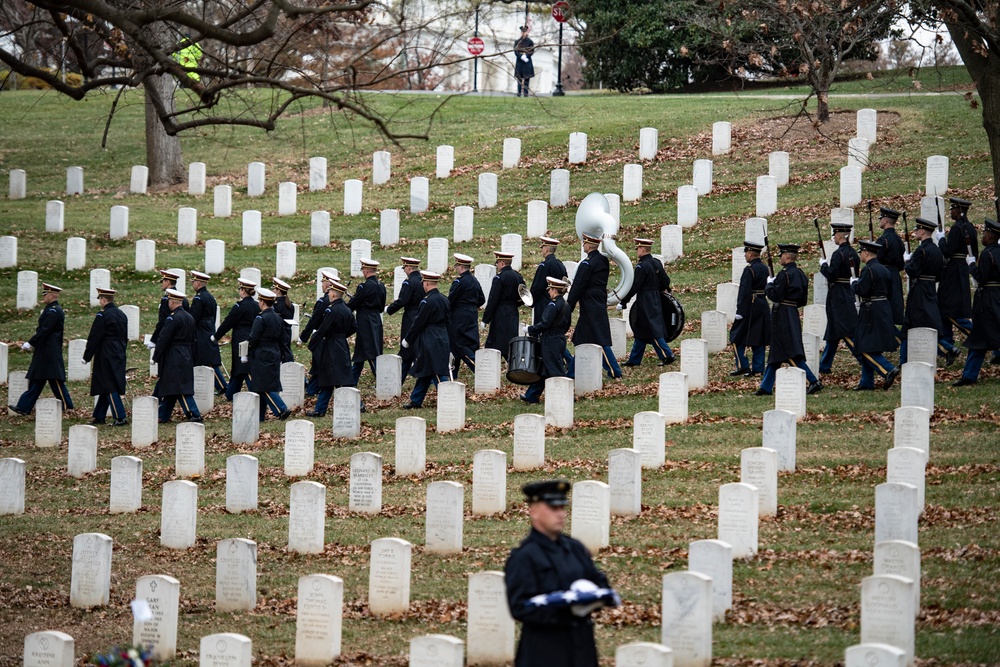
x=606, y=596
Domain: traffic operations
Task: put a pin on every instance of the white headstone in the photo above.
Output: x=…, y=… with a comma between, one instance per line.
x=388, y=376
x=896, y=512
x=591, y=514
x=8, y=252
x=463, y=224
x=643, y=654
x=76, y=368
x=811, y=345
x=411, y=446
x=241, y=483
x=632, y=182
x=145, y=255
x=285, y=259
x=317, y=174
x=487, y=371
x=739, y=261
x=790, y=391
x=779, y=432
x=419, y=194
x=487, y=190
x=48, y=422
x=346, y=413
x=918, y=385
x=738, y=518
x=90, y=585
x=49, y=649
x=694, y=362
x=671, y=242
x=713, y=331
x=649, y=143
x=686, y=618
x=874, y=655
x=353, y=196
x=511, y=152
x=366, y=483
x=162, y=595
x=187, y=226
x=559, y=188
x=936, y=181
x=702, y=176
x=126, y=484
x=887, y=612
x=529, y=441
x=98, y=278
x=867, y=124
x=484, y=275
x=179, y=515
x=490, y=625
x=293, y=388
x=777, y=166
x=246, y=418
x=255, y=179
x=381, y=167
x=287, y=198
x=673, y=397
x=145, y=430
x=318, y=619
x=577, y=147
x=74, y=180
x=445, y=161
x=538, y=218
x=443, y=523
x=82, y=456
x=767, y=196
x=54, y=216
x=820, y=288
x=360, y=249
x=814, y=319
x=196, y=178
x=921, y=345
x=251, y=228
x=489, y=482
x=215, y=256
x=907, y=465
x=235, y=575
x=759, y=468
x=714, y=558
x=857, y=152
x=649, y=438
x=76, y=253
x=204, y=388
x=850, y=186
x=911, y=428
x=389, y=576
x=222, y=201
x=299, y=447
x=225, y=649
x=11, y=486
x=687, y=206
x=450, y=407
x=619, y=336
x=902, y=559
x=722, y=141
x=436, y=651
x=437, y=255
x=389, y=227
x=19, y=184
x=512, y=243
x=625, y=481
x=588, y=371
x=189, y=457
x=307, y=517
x=17, y=384
x=27, y=290
x=559, y=396
x=4, y=350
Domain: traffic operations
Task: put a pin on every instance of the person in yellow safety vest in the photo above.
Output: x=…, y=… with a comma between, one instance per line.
x=188, y=57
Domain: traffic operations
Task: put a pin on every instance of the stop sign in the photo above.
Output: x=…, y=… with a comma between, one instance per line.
x=560, y=11
x=476, y=46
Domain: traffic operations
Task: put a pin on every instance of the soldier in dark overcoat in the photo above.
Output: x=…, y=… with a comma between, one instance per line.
x=429, y=338
x=464, y=298
x=411, y=293
x=174, y=354
x=318, y=312
x=841, y=312
x=890, y=255
x=876, y=332
x=501, y=314
x=47, y=363
x=752, y=327
x=960, y=248
x=240, y=322
x=551, y=333
x=590, y=292
x=331, y=349
x=986, y=306
x=285, y=309
x=925, y=266
x=168, y=280
x=107, y=344
x=549, y=267
x=203, y=310
x=646, y=316
x=267, y=336
x=788, y=291
x=367, y=305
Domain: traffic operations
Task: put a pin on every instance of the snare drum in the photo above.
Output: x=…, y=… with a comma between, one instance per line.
x=524, y=361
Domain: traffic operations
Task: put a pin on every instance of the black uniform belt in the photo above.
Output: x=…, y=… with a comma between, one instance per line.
x=761, y=293
x=843, y=281
x=961, y=257
x=789, y=303
x=990, y=284
x=874, y=298
x=929, y=279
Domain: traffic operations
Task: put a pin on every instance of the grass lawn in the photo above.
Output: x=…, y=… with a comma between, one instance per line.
x=797, y=602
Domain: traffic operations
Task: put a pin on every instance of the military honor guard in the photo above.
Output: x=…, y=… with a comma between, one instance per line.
x=428, y=337
x=876, y=332
x=411, y=293
x=551, y=333
x=925, y=267
x=315, y=319
x=986, y=306
x=549, y=267
x=890, y=255
x=960, y=248
x=841, y=313
x=168, y=280
x=174, y=353
x=47, y=362
x=206, y=349
x=501, y=314
x=646, y=315
x=590, y=292
x=553, y=586
x=267, y=336
x=285, y=309
x=465, y=298
x=331, y=349
x=107, y=343
x=752, y=327
x=240, y=322
x=788, y=291
x=367, y=305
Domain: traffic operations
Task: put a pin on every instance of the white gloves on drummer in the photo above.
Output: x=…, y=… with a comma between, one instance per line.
x=970, y=260
x=938, y=235
x=906, y=256
x=26, y=347
x=244, y=359
x=619, y=307
x=770, y=280
x=403, y=344
x=212, y=338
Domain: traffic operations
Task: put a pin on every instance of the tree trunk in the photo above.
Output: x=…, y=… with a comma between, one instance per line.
x=163, y=152
x=989, y=91
x=822, y=105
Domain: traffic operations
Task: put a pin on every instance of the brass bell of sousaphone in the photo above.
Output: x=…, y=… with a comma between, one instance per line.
x=525, y=294
x=594, y=218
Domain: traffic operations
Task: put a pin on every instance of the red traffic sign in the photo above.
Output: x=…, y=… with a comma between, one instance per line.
x=560, y=11
x=476, y=46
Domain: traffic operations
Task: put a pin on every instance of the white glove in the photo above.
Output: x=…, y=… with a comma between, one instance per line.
x=853, y=280
x=150, y=345
x=482, y=326
x=739, y=317
x=938, y=235
x=619, y=307
x=970, y=260
x=212, y=338
x=244, y=359
x=26, y=347
x=524, y=57
x=770, y=279
x=451, y=359
x=906, y=257
x=823, y=261
x=403, y=344
x=386, y=310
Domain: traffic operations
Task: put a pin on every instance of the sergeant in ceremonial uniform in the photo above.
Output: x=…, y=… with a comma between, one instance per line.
x=752, y=327
x=960, y=249
x=285, y=309
x=203, y=309
x=106, y=346
x=788, y=291
x=318, y=311
x=174, y=354
x=428, y=337
x=331, y=351
x=411, y=293
x=549, y=267
x=546, y=562
x=876, y=332
x=168, y=280
x=890, y=255
x=267, y=336
x=986, y=307
x=551, y=333
x=465, y=297
x=590, y=291
x=501, y=314
x=47, y=363
x=841, y=312
x=925, y=268
x=646, y=315
x=367, y=305
x=240, y=322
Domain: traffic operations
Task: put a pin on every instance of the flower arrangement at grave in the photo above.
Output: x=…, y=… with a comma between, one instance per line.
x=124, y=656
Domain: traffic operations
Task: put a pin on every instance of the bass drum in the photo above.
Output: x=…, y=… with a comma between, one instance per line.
x=673, y=316
x=524, y=361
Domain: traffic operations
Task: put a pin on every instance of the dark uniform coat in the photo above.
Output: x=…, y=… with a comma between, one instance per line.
x=206, y=350
x=954, y=297
x=841, y=312
x=428, y=336
x=162, y=315
x=524, y=70
x=331, y=351
x=47, y=359
x=551, y=332
x=925, y=268
x=318, y=312
x=646, y=316
x=890, y=255
x=368, y=303
x=411, y=293
x=465, y=297
x=106, y=345
x=789, y=291
x=240, y=322
x=754, y=329
x=590, y=290
x=501, y=309
x=286, y=311
x=876, y=331
x=267, y=337
x=174, y=354
x=550, y=636
x=986, y=307
x=550, y=267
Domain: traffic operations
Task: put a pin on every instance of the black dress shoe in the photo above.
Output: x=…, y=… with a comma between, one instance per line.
x=761, y=392
x=13, y=408
x=667, y=361
x=524, y=397
x=96, y=422
x=963, y=382
x=195, y=420
x=285, y=414
x=739, y=371
x=950, y=358
x=753, y=374
x=815, y=387
x=890, y=378
x=163, y=421
x=412, y=406
x=120, y=422
x=995, y=361
x=629, y=364
x=315, y=414
x=862, y=388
